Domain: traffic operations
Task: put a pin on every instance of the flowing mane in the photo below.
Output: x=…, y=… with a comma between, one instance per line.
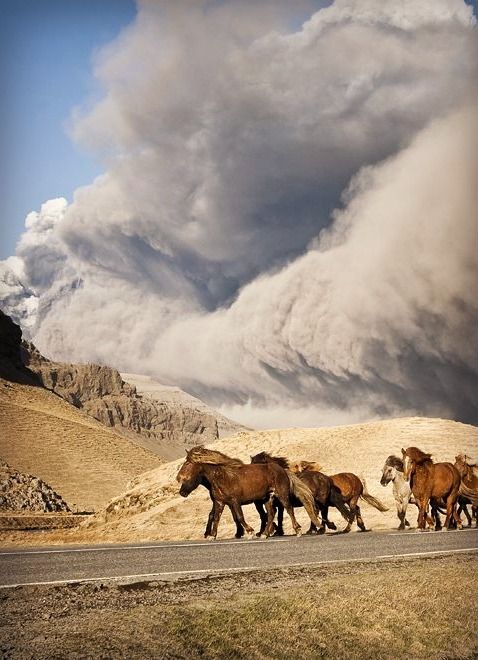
x=463, y=458
x=418, y=456
x=395, y=462
x=264, y=457
x=212, y=457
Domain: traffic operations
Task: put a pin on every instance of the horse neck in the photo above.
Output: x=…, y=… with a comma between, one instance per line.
x=469, y=478
x=400, y=484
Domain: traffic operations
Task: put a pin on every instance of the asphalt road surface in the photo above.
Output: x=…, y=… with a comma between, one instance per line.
x=174, y=560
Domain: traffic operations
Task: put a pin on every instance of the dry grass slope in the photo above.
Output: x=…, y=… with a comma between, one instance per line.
x=86, y=463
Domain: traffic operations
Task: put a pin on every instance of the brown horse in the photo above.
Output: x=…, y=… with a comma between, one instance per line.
x=351, y=489
x=468, y=493
x=324, y=492
x=234, y=485
x=432, y=483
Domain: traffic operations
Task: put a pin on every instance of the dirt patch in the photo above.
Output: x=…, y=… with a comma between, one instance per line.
x=40, y=522
x=419, y=608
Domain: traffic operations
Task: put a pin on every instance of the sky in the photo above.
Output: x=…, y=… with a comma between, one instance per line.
x=270, y=204
x=46, y=54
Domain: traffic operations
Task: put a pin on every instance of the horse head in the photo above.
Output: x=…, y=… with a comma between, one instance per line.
x=412, y=456
x=393, y=464
x=189, y=476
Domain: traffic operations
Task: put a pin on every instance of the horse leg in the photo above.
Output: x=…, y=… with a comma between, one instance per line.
x=401, y=516
x=210, y=519
x=280, y=518
x=464, y=508
x=325, y=517
x=422, y=514
x=353, y=510
x=237, y=511
x=456, y=518
x=359, y=519
x=218, y=508
x=285, y=501
x=270, y=515
x=263, y=516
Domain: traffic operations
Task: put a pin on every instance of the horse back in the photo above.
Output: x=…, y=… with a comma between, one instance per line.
x=348, y=484
x=249, y=482
x=319, y=484
x=445, y=478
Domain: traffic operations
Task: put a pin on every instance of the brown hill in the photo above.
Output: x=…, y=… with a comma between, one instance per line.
x=83, y=461
x=152, y=508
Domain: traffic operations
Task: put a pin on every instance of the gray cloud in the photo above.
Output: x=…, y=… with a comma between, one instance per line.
x=210, y=254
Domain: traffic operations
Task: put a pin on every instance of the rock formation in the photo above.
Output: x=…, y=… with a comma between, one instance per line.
x=23, y=492
x=102, y=393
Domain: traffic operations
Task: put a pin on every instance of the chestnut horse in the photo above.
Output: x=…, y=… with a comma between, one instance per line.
x=351, y=488
x=468, y=493
x=324, y=492
x=431, y=483
x=237, y=484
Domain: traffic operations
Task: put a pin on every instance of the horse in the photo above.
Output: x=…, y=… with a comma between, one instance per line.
x=432, y=483
x=325, y=494
x=222, y=459
x=351, y=488
x=238, y=483
x=468, y=493
x=393, y=472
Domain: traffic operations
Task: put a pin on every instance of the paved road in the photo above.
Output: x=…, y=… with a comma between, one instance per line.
x=160, y=561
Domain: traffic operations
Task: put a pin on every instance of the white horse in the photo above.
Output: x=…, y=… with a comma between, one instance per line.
x=393, y=472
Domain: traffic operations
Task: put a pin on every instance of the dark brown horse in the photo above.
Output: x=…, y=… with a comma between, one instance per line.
x=351, y=489
x=468, y=493
x=324, y=492
x=237, y=484
x=435, y=484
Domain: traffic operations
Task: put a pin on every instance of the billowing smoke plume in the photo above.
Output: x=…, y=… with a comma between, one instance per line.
x=287, y=218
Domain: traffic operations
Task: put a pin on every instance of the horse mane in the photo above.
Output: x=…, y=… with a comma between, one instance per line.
x=395, y=462
x=418, y=456
x=200, y=454
x=310, y=466
x=463, y=458
x=264, y=457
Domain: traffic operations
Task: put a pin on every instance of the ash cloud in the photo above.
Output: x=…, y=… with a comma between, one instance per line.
x=286, y=219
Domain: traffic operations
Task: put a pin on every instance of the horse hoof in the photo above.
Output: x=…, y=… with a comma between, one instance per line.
x=258, y=534
x=250, y=535
x=321, y=531
x=332, y=526
x=298, y=532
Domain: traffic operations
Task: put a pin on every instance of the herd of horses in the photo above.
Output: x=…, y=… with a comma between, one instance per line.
x=274, y=484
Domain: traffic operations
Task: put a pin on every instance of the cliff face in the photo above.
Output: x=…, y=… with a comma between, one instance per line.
x=163, y=427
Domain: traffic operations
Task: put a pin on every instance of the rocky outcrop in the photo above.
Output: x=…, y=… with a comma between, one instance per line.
x=23, y=492
x=11, y=356
x=101, y=392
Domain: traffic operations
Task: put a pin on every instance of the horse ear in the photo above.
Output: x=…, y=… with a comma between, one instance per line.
x=403, y=451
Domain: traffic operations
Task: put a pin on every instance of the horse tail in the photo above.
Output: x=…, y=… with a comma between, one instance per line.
x=304, y=494
x=370, y=499
x=470, y=493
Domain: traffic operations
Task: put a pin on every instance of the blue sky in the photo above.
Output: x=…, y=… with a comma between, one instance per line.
x=46, y=64
x=46, y=51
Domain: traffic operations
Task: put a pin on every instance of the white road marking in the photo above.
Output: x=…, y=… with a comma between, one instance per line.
x=427, y=532
x=209, y=571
